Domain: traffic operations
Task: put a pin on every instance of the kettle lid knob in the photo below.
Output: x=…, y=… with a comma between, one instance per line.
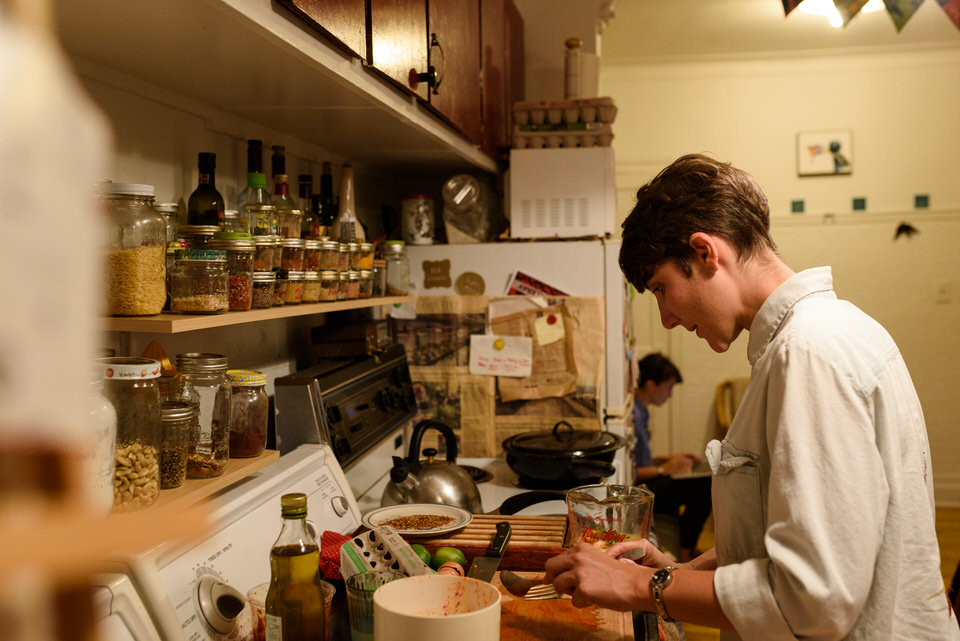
x=430, y=453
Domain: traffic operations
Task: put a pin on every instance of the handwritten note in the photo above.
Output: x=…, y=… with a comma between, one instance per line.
x=501, y=355
x=548, y=328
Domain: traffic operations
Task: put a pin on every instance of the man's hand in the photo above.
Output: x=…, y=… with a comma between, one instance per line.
x=591, y=577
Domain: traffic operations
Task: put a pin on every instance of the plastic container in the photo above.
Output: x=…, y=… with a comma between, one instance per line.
x=329, y=285
x=201, y=380
x=200, y=287
x=292, y=256
x=178, y=419
x=130, y=384
x=294, y=292
x=135, y=251
x=263, y=285
x=398, y=268
x=249, y=407
x=241, y=254
x=311, y=287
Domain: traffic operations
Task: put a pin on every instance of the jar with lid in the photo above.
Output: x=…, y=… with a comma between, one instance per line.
x=196, y=236
x=178, y=420
x=366, y=256
x=135, y=250
x=344, y=285
x=291, y=220
x=292, y=257
x=202, y=381
x=353, y=256
x=398, y=268
x=130, y=384
x=234, y=222
x=249, y=407
x=353, y=284
x=329, y=285
x=263, y=286
x=366, y=283
x=343, y=260
x=277, y=252
x=294, y=293
x=174, y=251
x=263, y=253
x=99, y=456
x=200, y=286
x=280, y=288
x=311, y=255
x=241, y=252
x=171, y=215
x=379, y=277
x=311, y=287
x=329, y=255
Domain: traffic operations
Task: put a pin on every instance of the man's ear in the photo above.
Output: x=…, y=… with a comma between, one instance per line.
x=707, y=249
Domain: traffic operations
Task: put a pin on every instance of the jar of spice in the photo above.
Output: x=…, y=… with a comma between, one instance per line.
x=249, y=407
x=398, y=268
x=263, y=253
x=343, y=259
x=277, y=252
x=199, y=287
x=353, y=284
x=329, y=255
x=291, y=220
x=311, y=287
x=130, y=384
x=135, y=250
x=234, y=222
x=366, y=256
x=178, y=419
x=344, y=285
x=379, y=277
x=366, y=283
x=202, y=381
x=280, y=288
x=196, y=236
x=311, y=255
x=241, y=250
x=263, y=286
x=292, y=257
x=329, y=285
x=353, y=255
x=294, y=293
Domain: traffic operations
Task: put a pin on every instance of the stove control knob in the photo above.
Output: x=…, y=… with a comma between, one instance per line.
x=340, y=505
x=220, y=604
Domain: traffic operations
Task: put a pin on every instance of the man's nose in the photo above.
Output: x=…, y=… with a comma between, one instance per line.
x=666, y=316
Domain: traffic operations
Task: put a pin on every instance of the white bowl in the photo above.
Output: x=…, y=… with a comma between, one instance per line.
x=436, y=606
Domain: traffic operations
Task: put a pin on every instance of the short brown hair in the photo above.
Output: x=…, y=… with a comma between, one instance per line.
x=694, y=194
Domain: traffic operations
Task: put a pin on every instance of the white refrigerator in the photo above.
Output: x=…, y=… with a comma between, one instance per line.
x=575, y=267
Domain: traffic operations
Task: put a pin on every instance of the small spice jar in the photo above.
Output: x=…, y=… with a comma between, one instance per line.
x=366, y=256
x=178, y=419
x=294, y=293
x=263, y=285
x=170, y=213
x=343, y=260
x=196, y=236
x=311, y=256
x=199, y=287
x=280, y=287
x=292, y=257
x=329, y=255
x=201, y=381
x=291, y=220
x=329, y=285
x=249, y=407
x=277, y=252
x=263, y=253
x=234, y=222
x=311, y=287
x=240, y=249
x=344, y=284
x=353, y=255
x=366, y=283
x=353, y=284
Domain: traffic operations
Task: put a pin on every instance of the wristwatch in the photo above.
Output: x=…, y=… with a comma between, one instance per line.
x=658, y=583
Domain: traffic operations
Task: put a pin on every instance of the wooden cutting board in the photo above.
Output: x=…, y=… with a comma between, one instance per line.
x=557, y=619
x=533, y=539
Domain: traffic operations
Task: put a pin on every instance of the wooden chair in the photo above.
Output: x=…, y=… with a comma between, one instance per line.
x=729, y=394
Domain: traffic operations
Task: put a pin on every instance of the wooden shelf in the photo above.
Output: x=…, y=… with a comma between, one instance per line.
x=196, y=491
x=176, y=323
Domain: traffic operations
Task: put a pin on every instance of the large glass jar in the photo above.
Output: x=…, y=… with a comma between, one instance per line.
x=130, y=384
x=248, y=413
x=240, y=250
x=135, y=251
x=100, y=457
x=202, y=381
x=178, y=420
x=199, y=287
x=398, y=268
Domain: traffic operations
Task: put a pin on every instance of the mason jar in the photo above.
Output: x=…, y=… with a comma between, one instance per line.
x=178, y=420
x=241, y=250
x=311, y=287
x=196, y=236
x=249, y=408
x=280, y=288
x=343, y=258
x=311, y=256
x=100, y=452
x=263, y=253
x=171, y=215
x=366, y=256
x=353, y=256
x=199, y=287
x=292, y=255
x=135, y=249
x=291, y=220
x=353, y=284
x=329, y=255
x=329, y=285
x=294, y=293
x=366, y=283
x=263, y=286
x=202, y=381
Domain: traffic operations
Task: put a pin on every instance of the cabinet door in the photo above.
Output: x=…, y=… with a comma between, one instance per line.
x=343, y=21
x=456, y=25
x=501, y=64
x=398, y=42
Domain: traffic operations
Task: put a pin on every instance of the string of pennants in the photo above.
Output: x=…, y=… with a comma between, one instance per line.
x=900, y=10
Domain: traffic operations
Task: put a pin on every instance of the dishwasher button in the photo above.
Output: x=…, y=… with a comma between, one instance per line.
x=340, y=505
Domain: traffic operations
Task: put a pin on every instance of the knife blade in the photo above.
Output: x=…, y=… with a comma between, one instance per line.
x=484, y=567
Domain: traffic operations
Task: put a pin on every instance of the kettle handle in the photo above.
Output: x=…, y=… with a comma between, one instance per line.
x=443, y=428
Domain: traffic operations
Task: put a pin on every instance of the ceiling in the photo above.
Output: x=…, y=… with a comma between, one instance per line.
x=690, y=29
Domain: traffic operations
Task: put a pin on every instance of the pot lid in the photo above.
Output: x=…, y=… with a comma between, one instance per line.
x=563, y=439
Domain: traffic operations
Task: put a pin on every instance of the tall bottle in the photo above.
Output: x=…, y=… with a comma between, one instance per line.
x=347, y=227
x=254, y=165
x=278, y=161
x=328, y=204
x=206, y=205
x=294, y=604
x=304, y=189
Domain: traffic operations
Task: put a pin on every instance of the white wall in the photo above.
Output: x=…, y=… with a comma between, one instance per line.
x=901, y=108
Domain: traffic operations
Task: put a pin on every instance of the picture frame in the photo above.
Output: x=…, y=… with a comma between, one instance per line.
x=826, y=152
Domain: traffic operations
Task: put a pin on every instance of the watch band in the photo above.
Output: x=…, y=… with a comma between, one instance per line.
x=658, y=583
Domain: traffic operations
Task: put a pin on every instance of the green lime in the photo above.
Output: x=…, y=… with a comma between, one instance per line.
x=445, y=555
x=422, y=552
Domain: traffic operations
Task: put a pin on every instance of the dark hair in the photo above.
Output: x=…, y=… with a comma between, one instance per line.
x=657, y=368
x=694, y=194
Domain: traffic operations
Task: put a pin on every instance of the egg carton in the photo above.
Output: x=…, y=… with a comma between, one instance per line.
x=555, y=112
x=592, y=134
x=380, y=549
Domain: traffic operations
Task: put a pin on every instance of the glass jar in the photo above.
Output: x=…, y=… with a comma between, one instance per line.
x=233, y=222
x=249, y=407
x=135, y=250
x=343, y=258
x=171, y=215
x=241, y=252
x=292, y=257
x=379, y=277
x=366, y=283
x=311, y=256
x=263, y=253
x=294, y=293
x=199, y=287
x=329, y=255
x=353, y=256
x=353, y=284
x=130, y=384
x=344, y=285
x=98, y=459
x=311, y=287
x=277, y=252
x=261, y=219
x=196, y=236
x=366, y=256
x=263, y=285
x=291, y=220
x=329, y=285
x=202, y=381
x=280, y=288
x=398, y=268
x=178, y=420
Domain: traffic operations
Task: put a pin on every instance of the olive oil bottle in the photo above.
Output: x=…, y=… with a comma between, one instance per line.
x=294, y=604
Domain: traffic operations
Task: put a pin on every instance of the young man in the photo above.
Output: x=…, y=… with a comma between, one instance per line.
x=656, y=376
x=822, y=489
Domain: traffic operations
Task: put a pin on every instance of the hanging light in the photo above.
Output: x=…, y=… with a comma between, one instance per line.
x=828, y=9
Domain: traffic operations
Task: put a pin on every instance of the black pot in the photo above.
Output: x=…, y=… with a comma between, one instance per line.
x=563, y=457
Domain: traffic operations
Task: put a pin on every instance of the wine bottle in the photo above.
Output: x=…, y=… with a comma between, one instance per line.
x=304, y=189
x=328, y=204
x=254, y=166
x=294, y=604
x=278, y=162
x=206, y=205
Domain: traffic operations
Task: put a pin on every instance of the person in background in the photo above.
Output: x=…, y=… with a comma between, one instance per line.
x=686, y=498
x=823, y=485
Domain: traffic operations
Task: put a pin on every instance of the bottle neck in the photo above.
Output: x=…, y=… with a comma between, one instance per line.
x=281, y=189
x=207, y=177
x=294, y=532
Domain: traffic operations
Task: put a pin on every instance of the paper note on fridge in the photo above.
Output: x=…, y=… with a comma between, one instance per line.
x=501, y=355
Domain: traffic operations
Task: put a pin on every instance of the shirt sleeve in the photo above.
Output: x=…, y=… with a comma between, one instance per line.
x=826, y=505
x=642, y=457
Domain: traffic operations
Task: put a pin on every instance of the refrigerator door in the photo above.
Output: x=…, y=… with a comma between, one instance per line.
x=619, y=334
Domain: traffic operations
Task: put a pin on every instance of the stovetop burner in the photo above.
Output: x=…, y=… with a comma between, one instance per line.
x=477, y=474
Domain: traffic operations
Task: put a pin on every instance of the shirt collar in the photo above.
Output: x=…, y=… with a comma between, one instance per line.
x=774, y=310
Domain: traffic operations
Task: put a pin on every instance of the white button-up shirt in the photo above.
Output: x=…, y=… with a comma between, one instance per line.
x=822, y=489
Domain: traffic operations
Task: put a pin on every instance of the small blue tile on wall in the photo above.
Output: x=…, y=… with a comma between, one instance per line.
x=921, y=201
x=796, y=206
x=859, y=204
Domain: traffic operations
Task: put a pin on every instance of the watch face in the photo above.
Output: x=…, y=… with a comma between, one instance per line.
x=662, y=577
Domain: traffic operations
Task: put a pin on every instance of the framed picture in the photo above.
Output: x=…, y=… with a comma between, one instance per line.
x=825, y=153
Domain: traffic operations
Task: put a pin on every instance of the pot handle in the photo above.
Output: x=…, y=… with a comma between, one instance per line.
x=584, y=469
x=567, y=433
x=417, y=437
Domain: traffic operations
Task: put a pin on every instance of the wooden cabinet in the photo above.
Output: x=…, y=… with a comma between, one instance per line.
x=455, y=52
x=398, y=43
x=343, y=21
x=501, y=63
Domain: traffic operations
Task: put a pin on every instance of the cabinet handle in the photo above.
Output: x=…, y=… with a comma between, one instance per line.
x=431, y=76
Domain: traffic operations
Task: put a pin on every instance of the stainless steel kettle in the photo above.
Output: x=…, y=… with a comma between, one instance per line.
x=431, y=481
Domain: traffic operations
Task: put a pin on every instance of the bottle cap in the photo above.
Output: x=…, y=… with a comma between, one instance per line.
x=207, y=159
x=246, y=377
x=293, y=505
x=257, y=180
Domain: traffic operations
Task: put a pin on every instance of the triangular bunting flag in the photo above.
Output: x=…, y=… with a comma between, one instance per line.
x=952, y=9
x=790, y=5
x=848, y=8
x=901, y=10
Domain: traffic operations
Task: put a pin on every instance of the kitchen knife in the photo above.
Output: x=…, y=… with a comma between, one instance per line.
x=484, y=567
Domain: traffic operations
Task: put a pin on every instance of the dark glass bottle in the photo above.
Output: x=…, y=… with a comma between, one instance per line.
x=206, y=205
x=328, y=205
x=304, y=189
x=278, y=162
x=294, y=603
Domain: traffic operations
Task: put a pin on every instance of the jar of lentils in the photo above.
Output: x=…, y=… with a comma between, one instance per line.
x=249, y=407
x=202, y=381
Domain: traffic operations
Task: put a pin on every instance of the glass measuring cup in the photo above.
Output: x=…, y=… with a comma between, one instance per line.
x=604, y=515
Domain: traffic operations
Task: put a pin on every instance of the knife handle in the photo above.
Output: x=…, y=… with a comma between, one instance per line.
x=501, y=539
